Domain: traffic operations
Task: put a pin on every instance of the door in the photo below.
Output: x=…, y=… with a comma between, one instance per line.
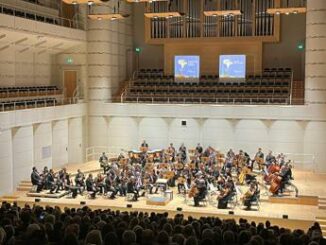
x=70, y=83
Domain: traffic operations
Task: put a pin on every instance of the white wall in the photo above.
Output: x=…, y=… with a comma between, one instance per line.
x=76, y=140
x=26, y=68
x=288, y=129
x=59, y=143
x=6, y=167
x=42, y=139
x=22, y=150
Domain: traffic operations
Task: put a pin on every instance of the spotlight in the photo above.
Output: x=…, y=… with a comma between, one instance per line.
x=90, y=3
x=74, y=2
x=214, y=15
x=295, y=12
x=277, y=12
x=287, y=13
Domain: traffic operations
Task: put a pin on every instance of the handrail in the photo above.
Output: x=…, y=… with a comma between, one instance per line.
x=56, y=20
x=32, y=104
x=45, y=3
x=208, y=100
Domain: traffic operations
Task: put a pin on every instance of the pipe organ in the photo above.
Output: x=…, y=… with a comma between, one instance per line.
x=253, y=21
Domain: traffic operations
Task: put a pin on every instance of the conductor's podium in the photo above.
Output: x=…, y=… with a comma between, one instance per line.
x=158, y=201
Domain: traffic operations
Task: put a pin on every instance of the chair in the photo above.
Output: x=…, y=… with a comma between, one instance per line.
x=129, y=197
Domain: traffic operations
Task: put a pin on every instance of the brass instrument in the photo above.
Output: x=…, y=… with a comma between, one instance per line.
x=245, y=170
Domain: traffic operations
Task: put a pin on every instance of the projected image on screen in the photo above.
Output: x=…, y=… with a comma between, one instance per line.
x=186, y=68
x=232, y=66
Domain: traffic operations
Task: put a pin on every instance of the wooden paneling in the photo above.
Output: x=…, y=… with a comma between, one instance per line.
x=209, y=53
x=70, y=83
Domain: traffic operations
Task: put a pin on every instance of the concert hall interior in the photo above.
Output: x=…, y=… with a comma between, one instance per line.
x=162, y=121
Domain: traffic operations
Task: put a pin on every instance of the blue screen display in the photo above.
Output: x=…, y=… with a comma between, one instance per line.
x=232, y=66
x=186, y=68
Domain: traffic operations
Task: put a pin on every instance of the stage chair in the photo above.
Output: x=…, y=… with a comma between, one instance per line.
x=129, y=197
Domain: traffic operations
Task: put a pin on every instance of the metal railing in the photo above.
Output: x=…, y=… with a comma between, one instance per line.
x=44, y=3
x=93, y=153
x=41, y=17
x=209, y=100
x=33, y=104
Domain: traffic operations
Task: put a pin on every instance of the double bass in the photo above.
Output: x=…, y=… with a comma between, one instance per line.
x=275, y=183
x=193, y=191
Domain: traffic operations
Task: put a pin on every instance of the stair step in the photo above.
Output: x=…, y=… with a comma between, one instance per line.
x=322, y=206
x=23, y=188
x=25, y=184
x=321, y=221
x=9, y=197
x=25, y=181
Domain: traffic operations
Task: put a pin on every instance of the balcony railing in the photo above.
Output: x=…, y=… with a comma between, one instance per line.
x=33, y=104
x=41, y=17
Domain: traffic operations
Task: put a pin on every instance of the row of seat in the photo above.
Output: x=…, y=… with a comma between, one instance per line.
x=25, y=91
x=26, y=104
x=204, y=100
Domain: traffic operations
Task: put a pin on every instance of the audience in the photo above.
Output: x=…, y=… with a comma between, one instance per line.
x=51, y=225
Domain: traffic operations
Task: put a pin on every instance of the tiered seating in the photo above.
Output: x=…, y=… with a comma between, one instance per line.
x=272, y=87
x=26, y=97
x=26, y=91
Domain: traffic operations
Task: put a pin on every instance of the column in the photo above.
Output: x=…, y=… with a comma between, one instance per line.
x=315, y=84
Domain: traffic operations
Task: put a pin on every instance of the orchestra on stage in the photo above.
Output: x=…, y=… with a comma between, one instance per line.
x=198, y=174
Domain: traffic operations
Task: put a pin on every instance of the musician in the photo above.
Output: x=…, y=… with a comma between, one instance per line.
x=99, y=183
x=225, y=194
x=230, y=154
x=259, y=156
x=199, y=150
x=121, y=156
x=157, y=157
x=109, y=185
x=286, y=177
x=121, y=184
x=171, y=152
x=51, y=183
x=183, y=153
x=144, y=146
x=250, y=195
x=80, y=181
x=151, y=178
x=181, y=182
x=36, y=179
x=269, y=158
x=104, y=162
x=280, y=159
x=202, y=190
x=131, y=188
x=90, y=186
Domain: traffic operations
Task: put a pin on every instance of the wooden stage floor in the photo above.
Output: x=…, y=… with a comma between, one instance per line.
x=310, y=184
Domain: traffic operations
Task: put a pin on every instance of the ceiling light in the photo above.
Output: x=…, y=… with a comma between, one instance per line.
x=90, y=2
x=74, y=3
x=287, y=13
x=214, y=15
x=114, y=18
x=99, y=18
x=278, y=13
x=295, y=12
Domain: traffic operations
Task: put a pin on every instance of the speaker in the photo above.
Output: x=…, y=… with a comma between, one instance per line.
x=285, y=216
x=183, y=123
x=129, y=205
x=231, y=212
x=179, y=209
x=82, y=203
x=37, y=199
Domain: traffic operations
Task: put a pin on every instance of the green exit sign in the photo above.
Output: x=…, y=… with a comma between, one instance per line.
x=69, y=60
x=137, y=50
x=300, y=46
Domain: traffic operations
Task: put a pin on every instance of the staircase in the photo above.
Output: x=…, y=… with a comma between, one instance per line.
x=322, y=203
x=24, y=186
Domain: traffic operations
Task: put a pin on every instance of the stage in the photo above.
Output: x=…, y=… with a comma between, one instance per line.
x=301, y=212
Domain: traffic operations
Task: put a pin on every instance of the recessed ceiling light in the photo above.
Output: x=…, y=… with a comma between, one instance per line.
x=99, y=18
x=114, y=18
x=74, y=2
x=277, y=12
x=287, y=13
x=90, y=2
x=295, y=11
